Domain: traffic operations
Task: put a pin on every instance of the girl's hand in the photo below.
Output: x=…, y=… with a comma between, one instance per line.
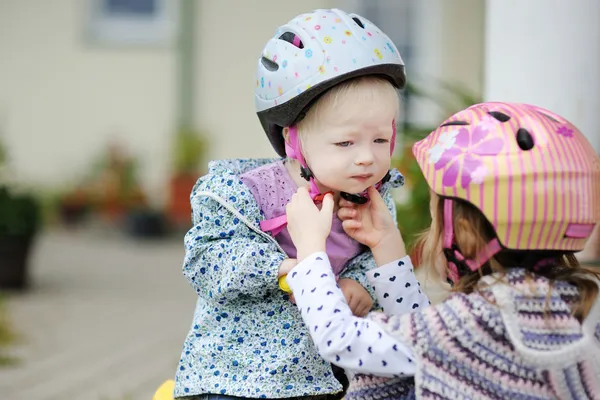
x=286, y=266
x=372, y=225
x=357, y=297
x=367, y=223
x=308, y=226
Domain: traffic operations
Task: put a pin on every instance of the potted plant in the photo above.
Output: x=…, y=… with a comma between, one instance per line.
x=145, y=223
x=73, y=207
x=20, y=221
x=189, y=152
x=19, y=224
x=113, y=188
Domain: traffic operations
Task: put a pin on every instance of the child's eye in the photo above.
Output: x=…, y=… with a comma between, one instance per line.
x=343, y=144
x=381, y=141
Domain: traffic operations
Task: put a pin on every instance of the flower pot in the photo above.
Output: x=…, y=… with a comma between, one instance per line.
x=145, y=224
x=179, y=207
x=73, y=214
x=14, y=258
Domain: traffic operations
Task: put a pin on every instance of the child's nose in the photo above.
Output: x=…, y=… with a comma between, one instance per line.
x=365, y=157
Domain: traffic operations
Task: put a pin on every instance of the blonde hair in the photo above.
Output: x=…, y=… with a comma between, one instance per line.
x=472, y=232
x=371, y=89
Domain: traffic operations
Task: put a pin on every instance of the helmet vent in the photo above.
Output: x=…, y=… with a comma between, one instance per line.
x=550, y=117
x=499, y=116
x=452, y=123
x=268, y=64
x=358, y=22
x=524, y=139
x=293, y=39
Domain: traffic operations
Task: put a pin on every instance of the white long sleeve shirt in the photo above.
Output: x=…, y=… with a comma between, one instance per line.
x=359, y=345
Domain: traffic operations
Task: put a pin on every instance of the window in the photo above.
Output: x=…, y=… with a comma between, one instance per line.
x=132, y=22
x=132, y=8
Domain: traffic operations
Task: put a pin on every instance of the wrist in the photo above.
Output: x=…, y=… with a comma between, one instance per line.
x=306, y=250
x=390, y=248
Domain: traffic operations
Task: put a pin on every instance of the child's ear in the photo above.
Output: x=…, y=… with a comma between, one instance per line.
x=286, y=134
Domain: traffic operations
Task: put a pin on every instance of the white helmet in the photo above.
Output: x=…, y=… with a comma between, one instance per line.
x=309, y=55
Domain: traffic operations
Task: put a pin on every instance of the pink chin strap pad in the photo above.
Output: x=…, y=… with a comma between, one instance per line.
x=492, y=248
x=294, y=151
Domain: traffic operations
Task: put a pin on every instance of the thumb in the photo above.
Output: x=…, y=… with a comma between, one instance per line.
x=327, y=206
x=376, y=200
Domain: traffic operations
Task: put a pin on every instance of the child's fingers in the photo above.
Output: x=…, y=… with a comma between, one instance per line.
x=362, y=310
x=353, y=303
x=366, y=307
x=345, y=203
x=327, y=206
x=351, y=224
x=302, y=191
x=346, y=213
x=376, y=199
x=300, y=196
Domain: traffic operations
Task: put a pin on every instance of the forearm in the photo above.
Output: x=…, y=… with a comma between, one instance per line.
x=354, y=343
x=397, y=289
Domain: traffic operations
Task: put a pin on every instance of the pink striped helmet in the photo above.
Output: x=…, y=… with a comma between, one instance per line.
x=531, y=173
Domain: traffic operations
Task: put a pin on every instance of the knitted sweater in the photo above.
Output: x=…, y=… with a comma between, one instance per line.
x=497, y=343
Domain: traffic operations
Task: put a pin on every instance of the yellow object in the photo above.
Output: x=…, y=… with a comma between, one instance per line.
x=283, y=284
x=165, y=391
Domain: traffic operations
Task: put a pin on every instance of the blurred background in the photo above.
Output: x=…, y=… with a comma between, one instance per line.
x=111, y=109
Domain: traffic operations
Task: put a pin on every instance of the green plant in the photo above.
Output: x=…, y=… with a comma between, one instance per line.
x=189, y=151
x=7, y=336
x=19, y=213
x=20, y=217
x=413, y=215
x=115, y=171
x=111, y=188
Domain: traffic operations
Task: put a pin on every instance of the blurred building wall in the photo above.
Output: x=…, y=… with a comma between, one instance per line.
x=448, y=40
x=63, y=98
x=546, y=52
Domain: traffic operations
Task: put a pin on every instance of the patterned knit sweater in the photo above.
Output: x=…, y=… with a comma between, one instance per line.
x=514, y=339
x=501, y=345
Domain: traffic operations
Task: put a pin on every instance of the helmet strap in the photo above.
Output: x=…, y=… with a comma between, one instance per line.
x=458, y=265
x=293, y=150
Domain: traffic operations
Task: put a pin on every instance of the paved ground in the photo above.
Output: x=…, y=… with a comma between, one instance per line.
x=105, y=319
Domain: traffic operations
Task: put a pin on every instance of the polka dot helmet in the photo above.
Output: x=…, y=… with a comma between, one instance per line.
x=309, y=55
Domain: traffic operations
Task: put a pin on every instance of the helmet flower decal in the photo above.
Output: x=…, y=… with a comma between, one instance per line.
x=564, y=131
x=460, y=152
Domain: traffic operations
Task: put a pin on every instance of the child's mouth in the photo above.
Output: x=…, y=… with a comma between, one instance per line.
x=362, y=178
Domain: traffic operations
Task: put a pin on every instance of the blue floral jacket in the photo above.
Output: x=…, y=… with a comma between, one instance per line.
x=247, y=339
